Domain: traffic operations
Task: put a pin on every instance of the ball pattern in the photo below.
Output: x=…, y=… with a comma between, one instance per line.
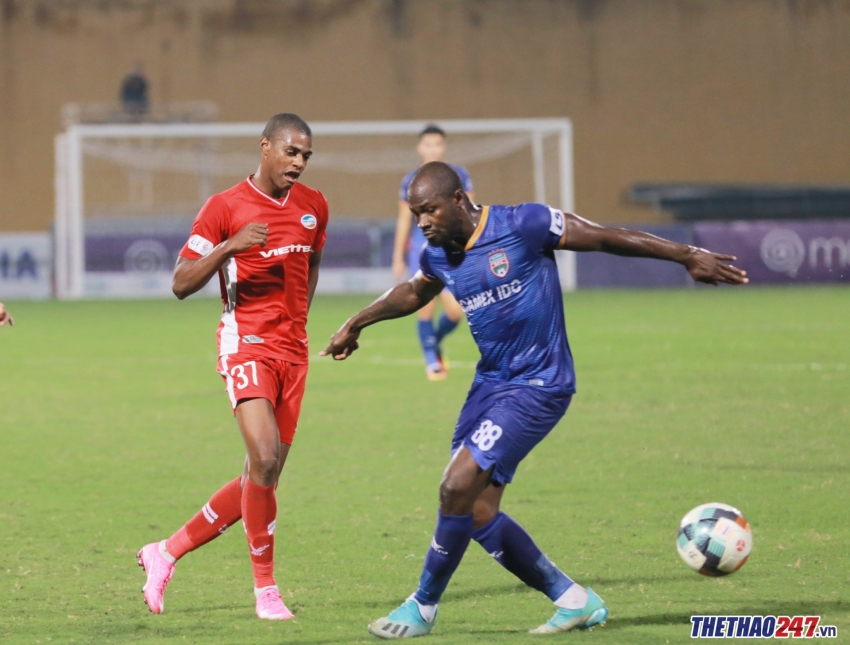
x=714, y=539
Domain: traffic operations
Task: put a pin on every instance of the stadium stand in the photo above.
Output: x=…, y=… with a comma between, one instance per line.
x=693, y=202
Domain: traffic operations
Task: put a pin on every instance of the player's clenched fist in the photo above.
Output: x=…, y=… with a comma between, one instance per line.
x=248, y=236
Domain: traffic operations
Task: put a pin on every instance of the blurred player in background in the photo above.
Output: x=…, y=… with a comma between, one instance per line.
x=431, y=147
x=5, y=317
x=499, y=263
x=264, y=238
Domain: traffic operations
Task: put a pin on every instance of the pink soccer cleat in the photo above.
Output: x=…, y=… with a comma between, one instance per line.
x=270, y=605
x=159, y=572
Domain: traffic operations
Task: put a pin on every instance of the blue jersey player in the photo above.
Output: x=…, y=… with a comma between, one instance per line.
x=409, y=242
x=499, y=263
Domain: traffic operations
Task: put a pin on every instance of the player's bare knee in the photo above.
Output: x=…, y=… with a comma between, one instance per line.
x=483, y=512
x=264, y=470
x=454, y=496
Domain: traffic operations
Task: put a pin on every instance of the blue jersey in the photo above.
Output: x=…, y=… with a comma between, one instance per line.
x=417, y=239
x=507, y=282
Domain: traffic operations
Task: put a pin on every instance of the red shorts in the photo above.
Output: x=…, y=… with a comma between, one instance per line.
x=281, y=382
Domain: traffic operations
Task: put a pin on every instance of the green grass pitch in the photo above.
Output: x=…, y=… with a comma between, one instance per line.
x=115, y=428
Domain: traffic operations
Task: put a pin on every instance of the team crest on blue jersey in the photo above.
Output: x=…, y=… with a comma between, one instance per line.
x=308, y=221
x=499, y=264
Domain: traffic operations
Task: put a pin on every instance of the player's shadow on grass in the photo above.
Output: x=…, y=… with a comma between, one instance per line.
x=784, y=608
x=599, y=584
x=462, y=594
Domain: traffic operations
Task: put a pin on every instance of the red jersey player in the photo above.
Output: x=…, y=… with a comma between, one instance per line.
x=264, y=238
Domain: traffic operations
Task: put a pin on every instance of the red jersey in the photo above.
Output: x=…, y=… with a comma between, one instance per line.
x=264, y=289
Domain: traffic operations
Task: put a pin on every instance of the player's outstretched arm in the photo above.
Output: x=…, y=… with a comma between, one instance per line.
x=191, y=275
x=704, y=266
x=398, y=302
x=4, y=316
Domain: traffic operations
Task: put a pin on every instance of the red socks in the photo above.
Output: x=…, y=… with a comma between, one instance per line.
x=224, y=509
x=259, y=510
x=257, y=505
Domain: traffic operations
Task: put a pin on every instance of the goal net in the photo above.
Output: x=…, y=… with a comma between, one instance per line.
x=126, y=194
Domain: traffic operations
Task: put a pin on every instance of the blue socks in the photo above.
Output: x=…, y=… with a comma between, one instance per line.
x=451, y=537
x=428, y=340
x=445, y=327
x=514, y=549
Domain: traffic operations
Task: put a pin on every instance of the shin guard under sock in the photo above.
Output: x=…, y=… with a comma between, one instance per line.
x=513, y=548
x=259, y=509
x=451, y=537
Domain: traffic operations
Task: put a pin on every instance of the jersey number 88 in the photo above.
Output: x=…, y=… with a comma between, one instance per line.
x=486, y=435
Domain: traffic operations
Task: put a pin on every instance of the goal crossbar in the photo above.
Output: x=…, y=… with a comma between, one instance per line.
x=69, y=230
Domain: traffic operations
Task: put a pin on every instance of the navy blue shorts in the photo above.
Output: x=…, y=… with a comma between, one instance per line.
x=501, y=422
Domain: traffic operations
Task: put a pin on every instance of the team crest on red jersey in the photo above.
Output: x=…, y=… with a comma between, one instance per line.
x=499, y=264
x=308, y=221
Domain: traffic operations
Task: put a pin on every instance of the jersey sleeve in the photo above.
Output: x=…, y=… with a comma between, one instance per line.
x=208, y=230
x=322, y=210
x=405, y=184
x=465, y=179
x=425, y=264
x=541, y=226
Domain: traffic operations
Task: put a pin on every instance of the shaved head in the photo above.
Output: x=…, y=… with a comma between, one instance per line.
x=441, y=206
x=435, y=180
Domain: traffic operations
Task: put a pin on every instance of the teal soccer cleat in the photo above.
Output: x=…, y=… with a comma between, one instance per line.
x=592, y=614
x=404, y=622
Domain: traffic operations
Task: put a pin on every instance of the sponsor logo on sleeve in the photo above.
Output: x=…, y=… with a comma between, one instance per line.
x=308, y=221
x=499, y=264
x=201, y=245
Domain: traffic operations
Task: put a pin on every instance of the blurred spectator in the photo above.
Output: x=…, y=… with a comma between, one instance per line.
x=134, y=92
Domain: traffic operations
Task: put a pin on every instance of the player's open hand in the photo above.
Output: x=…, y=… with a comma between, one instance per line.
x=4, y=316
x=343, y=344
x=248, y=236
x=711, y=268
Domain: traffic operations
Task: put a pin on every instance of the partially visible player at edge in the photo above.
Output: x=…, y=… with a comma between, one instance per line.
x=431, y=147
x=264, y=238
x=5, y=316
x=499, y=263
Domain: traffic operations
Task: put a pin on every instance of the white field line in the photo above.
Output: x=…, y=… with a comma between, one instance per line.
x=757, y=367
x=399, y=362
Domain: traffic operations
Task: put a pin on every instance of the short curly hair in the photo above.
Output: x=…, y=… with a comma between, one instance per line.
x=286, y=121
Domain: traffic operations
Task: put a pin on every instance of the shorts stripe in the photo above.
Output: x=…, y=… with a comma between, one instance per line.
x=229, y=339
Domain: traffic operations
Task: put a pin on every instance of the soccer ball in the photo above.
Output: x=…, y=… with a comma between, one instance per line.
x=714, y=539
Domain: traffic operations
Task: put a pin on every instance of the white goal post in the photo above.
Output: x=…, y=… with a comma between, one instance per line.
x=141, y=147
